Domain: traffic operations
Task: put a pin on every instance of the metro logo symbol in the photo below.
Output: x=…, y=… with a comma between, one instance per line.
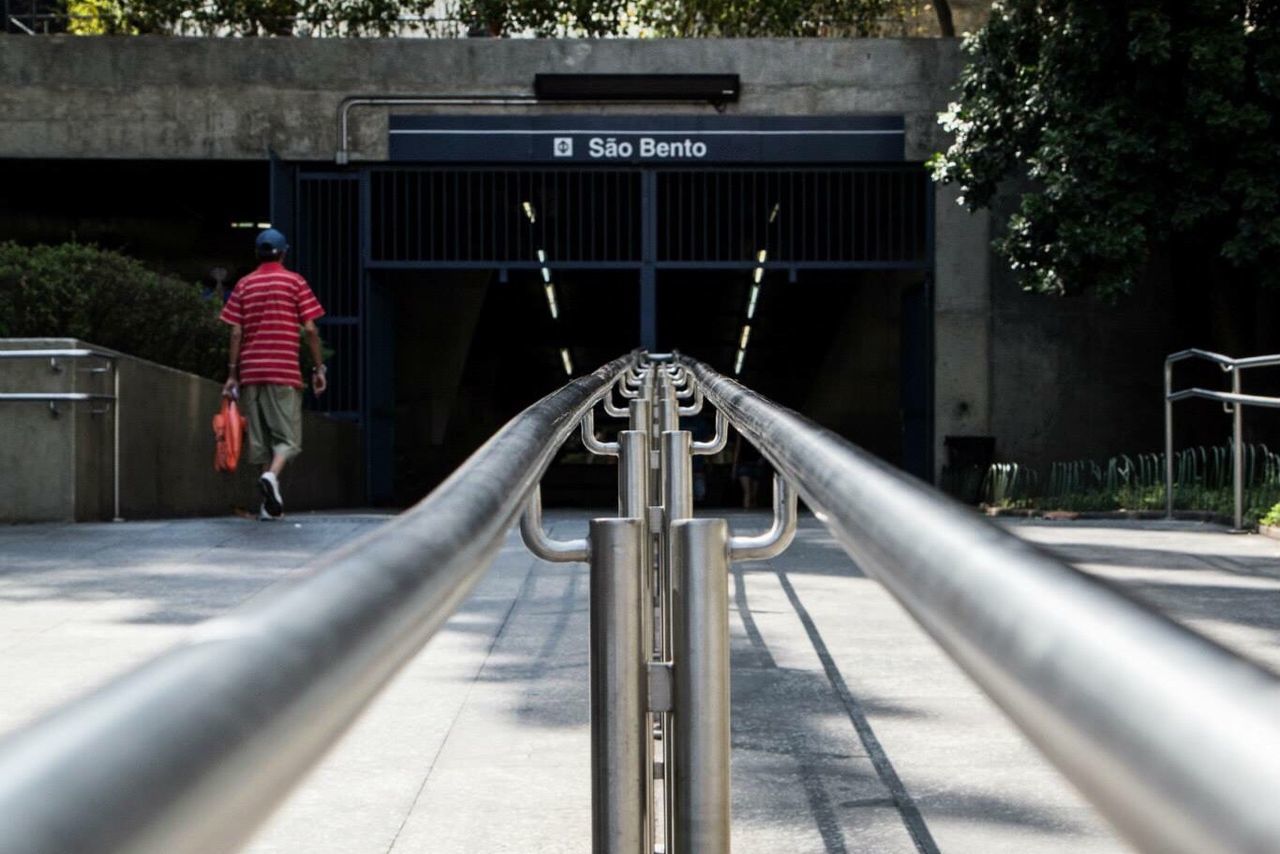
x=562, y=146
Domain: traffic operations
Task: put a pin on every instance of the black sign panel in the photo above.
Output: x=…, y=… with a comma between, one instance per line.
x=651, y=140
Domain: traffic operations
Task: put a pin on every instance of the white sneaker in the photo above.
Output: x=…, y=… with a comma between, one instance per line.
x=272, y=501
x=264, y=516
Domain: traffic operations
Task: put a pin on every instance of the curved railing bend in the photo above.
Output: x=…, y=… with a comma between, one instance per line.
x=191, y=751
x=1172, y=737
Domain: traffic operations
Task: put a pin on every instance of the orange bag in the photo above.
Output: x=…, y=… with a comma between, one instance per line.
x=228, y=430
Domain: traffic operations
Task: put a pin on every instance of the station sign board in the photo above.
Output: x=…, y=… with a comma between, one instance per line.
x=647, y=139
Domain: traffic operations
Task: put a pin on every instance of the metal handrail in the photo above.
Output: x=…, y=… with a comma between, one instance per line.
x=1172, y=737
x=1226, y=397
x=1233, y=401
x=192, y=750
x=1226, y=362
x=69, y=353
x=52, y=398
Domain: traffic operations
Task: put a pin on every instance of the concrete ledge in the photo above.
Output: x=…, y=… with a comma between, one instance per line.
x=60, y=468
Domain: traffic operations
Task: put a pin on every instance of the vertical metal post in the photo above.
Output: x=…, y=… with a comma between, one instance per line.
x=701, y=728
x=115, y=438
x=640, y=414
x=677, y=502
x=633, y=473
x=668, y=409
x=1237, y=450
x=1168, y=440
x=619, y=720
x=677, y=468
x=633, y=503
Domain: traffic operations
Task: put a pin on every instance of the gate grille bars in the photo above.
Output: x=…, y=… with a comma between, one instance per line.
x=191, y=751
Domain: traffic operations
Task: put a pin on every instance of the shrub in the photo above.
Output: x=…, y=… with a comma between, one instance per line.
x=80, y=291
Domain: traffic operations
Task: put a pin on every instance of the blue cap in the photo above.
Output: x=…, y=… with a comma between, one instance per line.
x=271, y=244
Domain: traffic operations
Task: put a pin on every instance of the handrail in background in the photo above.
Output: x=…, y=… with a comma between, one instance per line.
x=192, y=750
x=1172, y=737
x=1234, y=403
x=52, y=398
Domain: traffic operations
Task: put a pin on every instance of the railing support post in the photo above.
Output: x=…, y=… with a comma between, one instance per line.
x=1237, y=451
x=1168, y=440
x=677, y=504
x=701, y=654
x=633, y=503
x=620, y=822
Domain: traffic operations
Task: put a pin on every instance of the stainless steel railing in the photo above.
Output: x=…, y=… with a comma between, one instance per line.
x=659, y=624
x=1172, y=737
x=191, y=751
x=56, y=397
x=1233, y=401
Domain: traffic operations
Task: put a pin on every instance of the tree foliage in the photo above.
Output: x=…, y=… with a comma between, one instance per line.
x=1126, y=128
x=79, y=291
x=671, y=18
x=794, y=18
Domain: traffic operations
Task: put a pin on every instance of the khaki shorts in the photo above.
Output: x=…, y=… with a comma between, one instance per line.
x=274, y=413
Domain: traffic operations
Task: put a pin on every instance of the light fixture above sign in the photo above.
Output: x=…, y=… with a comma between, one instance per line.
x=710, y=88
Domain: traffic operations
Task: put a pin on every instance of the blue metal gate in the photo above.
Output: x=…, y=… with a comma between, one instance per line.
x=345, y=226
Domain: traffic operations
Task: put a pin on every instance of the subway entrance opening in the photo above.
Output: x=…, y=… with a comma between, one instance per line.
x=459, y=294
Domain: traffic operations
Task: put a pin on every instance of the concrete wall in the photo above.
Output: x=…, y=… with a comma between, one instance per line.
x=157, y=97
x=154, y=97
x=1079, y=377
x=61, y=468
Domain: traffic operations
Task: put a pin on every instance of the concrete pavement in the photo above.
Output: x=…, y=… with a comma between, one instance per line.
x=852, y=731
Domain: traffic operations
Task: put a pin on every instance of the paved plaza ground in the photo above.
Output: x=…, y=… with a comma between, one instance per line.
x=852, y=732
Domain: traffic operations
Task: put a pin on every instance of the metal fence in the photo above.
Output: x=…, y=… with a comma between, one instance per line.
x=1171, y=736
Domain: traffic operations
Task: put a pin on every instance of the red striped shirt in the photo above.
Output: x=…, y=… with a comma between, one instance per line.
x=270, y=304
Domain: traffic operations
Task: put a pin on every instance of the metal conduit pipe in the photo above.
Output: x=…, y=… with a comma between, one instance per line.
x=192, y=750
x=352, y=101
x=1173, y=738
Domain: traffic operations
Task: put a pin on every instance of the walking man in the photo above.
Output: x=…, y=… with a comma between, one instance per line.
x=265, y=311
